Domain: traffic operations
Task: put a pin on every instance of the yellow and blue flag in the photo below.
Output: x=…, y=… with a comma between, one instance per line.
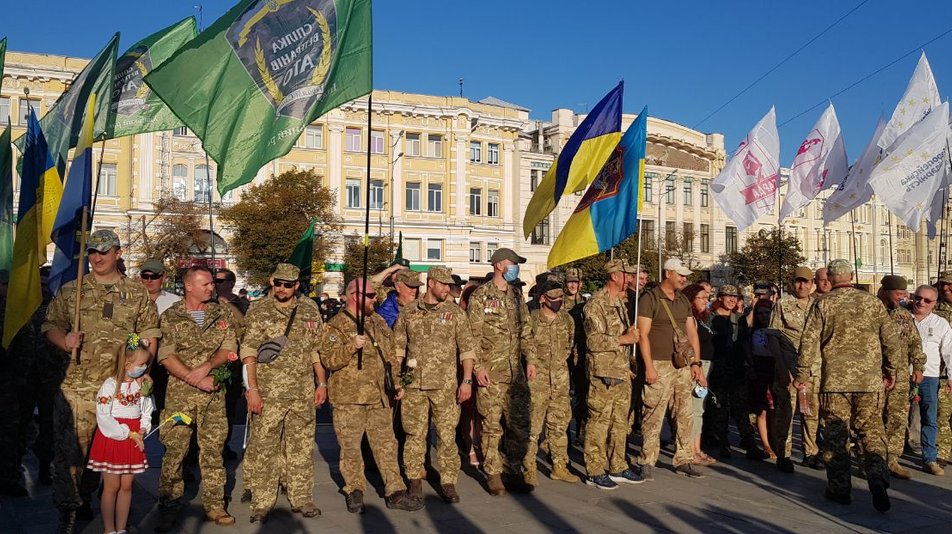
x=580, y=159
x=40, y=192
x=608, y=212
x=77, y=197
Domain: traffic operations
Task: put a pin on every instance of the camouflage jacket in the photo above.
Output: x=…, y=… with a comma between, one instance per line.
x=849, y=332
x=943, y=310
x=606, y=318
x=194, y=344
x=911, y=342
x=500, y=323
x=786, y=324
x=552, y=342
x=291, y=375
x=108, y=314
x=433, y=337
x=572, y=301
x=347, y=384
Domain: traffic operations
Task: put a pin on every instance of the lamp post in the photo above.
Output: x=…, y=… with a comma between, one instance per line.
x=393, y=164
x=667, y=190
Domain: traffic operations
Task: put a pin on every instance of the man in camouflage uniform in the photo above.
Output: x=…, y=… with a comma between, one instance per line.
x=429, y=334
x=553, y=333
x=858, y=346
x=893, y=294
x=944, y=404
x=786, y=326
x=283, y=394
x=198, y=336
x=361, y=405
x=112, y=307
x=573, y=304
x=499, y=317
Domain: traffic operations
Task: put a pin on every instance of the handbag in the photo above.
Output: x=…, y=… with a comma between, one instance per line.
x=271, y=349
x=683, y=351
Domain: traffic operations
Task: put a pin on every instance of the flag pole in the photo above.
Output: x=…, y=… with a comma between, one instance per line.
x=211, y=224
x=80, y=271
x=892, y=267
x=853, y=243
x=361, y=316
x=92, y=210
x=638, y=274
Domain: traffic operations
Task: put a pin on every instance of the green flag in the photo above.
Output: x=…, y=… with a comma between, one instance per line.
x=249, y=84
x=303, y=255
x=63, y=122
x=135, y=109
x=7, y=224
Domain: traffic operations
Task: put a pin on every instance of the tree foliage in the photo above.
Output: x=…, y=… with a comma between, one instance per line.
x=768, y=255
x=379, y=256
x=270, y=218
x=172, y=233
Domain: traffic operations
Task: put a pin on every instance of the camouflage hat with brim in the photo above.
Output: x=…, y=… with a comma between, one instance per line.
x=728, y=290
x=286, y=271
x=839, y=268
x=443, y=275
x=102, y=241
x=408, y=278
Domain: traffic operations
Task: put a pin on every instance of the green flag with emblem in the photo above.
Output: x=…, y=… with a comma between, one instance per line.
x=249, y=84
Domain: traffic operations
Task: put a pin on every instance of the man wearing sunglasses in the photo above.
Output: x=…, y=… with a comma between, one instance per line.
x=152, y=276
x=225, y=289
x=936, y=337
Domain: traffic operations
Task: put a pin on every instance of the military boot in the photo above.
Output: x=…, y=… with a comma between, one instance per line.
x=168, y=514
x=531, y=477
x=449, y=493
x=495, y=485
x=355, y=502
x=416, y=488
x=67, y=521
x=560, y=472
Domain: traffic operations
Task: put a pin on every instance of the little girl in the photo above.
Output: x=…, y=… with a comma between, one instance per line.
x=124, y=417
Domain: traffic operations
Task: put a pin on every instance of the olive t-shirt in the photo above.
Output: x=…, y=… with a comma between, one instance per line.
x=661, y=335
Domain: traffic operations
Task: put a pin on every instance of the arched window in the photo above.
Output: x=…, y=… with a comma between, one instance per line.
x=180, y=182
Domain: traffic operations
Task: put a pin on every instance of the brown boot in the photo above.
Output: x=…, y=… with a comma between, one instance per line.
x=933, y=469
x=560, y=472
x=530, y=477
x=496, y=487
x=220, y=517
x=416, y=488
x=900, y=472
x=449, y=493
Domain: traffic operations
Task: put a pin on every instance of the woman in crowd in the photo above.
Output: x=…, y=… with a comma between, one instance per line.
x=698, y=297
x=761, y=365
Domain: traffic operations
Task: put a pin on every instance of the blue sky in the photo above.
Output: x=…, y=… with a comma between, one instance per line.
x=683, y=59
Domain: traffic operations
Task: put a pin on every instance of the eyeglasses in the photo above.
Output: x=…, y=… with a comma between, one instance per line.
x=282, y=283
x=150, y=276
x=917, y=298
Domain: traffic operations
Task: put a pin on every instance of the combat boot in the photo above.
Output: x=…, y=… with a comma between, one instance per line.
x=416, y=488
x=900, y=472
x=220, y=517
x=402, y=501
x=560, y=472
x=495, y=485
x=449, y=493
x=168, y=514
x=355, y=502
x=308, y=509
x=531, y=477
x=67, y=521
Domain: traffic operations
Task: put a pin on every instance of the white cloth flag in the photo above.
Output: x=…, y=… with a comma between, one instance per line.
x=907, y=179
x=921, y=97
x=938, y=203
x=745, y=189
x=820, y=163
x=855, y=190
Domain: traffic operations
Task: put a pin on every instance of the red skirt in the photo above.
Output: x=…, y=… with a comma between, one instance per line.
x=117, y=457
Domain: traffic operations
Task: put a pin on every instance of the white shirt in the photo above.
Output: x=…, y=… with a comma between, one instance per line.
x=165, y=300
x=126, y=404
x=936, y=337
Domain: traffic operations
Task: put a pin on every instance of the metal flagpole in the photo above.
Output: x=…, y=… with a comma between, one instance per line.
x=211, y=224
x=853, y=243
x=360, y=290
x=942, y=243
x=92, y=209
x=892, y=251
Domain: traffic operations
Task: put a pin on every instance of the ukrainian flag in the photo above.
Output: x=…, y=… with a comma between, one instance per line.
x=580, y=159
x=608, y=213
x=40, y=192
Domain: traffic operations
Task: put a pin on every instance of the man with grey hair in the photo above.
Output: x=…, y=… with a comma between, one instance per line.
x=936, y=337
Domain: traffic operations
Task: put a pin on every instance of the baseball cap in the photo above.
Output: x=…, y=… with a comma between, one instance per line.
x=408, y=278
x=619, y=266
x=728, y=290
x=552, y=291
x=102, y=241
x=674, y=264
x=286, y=271
x=894, y=281
x=802, y=272
x=506, y=254
x=152, y=266
x=573, y=275
x=839, y=267
x=443, y=275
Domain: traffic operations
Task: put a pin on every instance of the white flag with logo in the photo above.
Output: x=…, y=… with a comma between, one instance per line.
x=939, y=202
x=820, y=163
x=855, y=190
x=921, y=97
x=908, y=178
x=745, y=189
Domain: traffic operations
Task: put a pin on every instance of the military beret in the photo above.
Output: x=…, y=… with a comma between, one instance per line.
x=408, y=278
x=839, y=267
x=286, y=271
x=152, y=266
x=443, y=275
x=102, y=241
x=506, y=254
x=894, y=281
x=728, y=290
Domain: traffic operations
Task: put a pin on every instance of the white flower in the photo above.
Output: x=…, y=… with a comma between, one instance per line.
x=412, y=363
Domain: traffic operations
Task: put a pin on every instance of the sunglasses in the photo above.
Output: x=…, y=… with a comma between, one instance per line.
x=917, y=298
x=150, y=276
x=284, y=283
x=221, y=280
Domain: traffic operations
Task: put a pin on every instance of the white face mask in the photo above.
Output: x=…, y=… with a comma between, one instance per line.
x=137, y=371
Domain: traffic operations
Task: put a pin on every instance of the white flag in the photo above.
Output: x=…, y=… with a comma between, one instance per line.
x=745, y=189
x=855, y=190
x=921, y=97
x=907, y=179
x=938, y=203
x=820, y=163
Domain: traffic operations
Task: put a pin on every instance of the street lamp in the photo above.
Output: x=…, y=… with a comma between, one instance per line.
x=393, y=164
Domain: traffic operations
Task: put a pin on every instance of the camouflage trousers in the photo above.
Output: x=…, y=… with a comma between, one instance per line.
x=944, y=414
x=896, y=418
x=351, y=423
x=416, y=407
x=863, y=414
x=282, y=439
x=208, y=420
x=510, y=402
x=672, y=389
x=606, y=433
x=785, y=404
x=74, y=417
x=551, y=410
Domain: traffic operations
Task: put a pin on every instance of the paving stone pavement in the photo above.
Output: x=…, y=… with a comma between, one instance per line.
x=738, y=495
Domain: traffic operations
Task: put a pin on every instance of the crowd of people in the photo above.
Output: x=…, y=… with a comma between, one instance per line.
x=498, y=374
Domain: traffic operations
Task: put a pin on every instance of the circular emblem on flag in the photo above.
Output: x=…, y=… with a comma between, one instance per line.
x=129, y=92
x=287, y=47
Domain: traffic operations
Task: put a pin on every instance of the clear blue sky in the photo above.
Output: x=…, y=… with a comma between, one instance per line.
x=681, y=58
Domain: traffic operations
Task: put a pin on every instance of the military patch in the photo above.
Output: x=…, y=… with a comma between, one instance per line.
x=311, y=325
x=332, y=338
x=222, y=325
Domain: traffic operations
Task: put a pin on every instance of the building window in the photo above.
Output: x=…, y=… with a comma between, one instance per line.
x=313, y=137
x=376, y=142
x=669, y=190
x=413, y=144
x=730, y=239
x=688, y=237
x=882, y=251
x=434, y=197
x=705, y=193
x=203, y=185
x=492, y=203
x=411, y=249
x=492, y=153
x=491, y=249
x=670, y=232
x=24, y=112
x=413, y=196
x=434, y=249
x=475, y=252
x=353, y=140
x=540, y=235
x=353, y=192
x=376, y=194
x=4, y=110
x=649, y=229
x=649, y=187
x=688, y=191
x=434, y=145
x=180, y=182
x=181, y=131
x=475, y=201
x=475, y=151
x=705, y=238
x=535, y=177
x=107, y=180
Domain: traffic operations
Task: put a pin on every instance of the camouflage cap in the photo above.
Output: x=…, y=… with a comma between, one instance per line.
x=893, y=281
x=102, y=241
x=620, y=266
x=944, y=278
x=286, y=271
x=573, y=275
x=408, y=278
x=443, y=275
x=506, y=254
x=728, y=290
x=553, y=292
x=152, y=266
x=839, y=268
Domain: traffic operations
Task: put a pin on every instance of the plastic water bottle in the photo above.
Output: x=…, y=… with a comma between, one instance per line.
x=803, y=399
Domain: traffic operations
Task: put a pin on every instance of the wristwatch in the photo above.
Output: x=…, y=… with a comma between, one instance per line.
x=467, y=380
x=321, y=385
x=695, y=362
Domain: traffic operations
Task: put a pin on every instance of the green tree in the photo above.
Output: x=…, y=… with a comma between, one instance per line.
x=175, y=229
x=768, y=255
x=379, y=255
x=270, y=218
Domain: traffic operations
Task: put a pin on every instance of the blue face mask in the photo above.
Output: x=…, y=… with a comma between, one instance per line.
x=137, y=371
x=512, y=273
x=903, y=303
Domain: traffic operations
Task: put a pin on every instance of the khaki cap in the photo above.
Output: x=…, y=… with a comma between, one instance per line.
x=286, y=271
x=573, y=275
x=728, y=290
x=893, y=281
x=152, y=266
x=553, y=292
x=408, y=278
x=443, y=275
x=619, y=266
x=839, y=268
x=506, y=254
x=803, y=272
x=102, y=241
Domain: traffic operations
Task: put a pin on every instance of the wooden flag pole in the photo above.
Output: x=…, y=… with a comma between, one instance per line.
x=361, y=316
x=78, y=290
x=92, y=210
x=892, y=251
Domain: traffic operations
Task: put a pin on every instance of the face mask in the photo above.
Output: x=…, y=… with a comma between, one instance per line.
x=554, y=306
x=137, y=371
x=512, y=273
x=903, y=303
x=700, y=391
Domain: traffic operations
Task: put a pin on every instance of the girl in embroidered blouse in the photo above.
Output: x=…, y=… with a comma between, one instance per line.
x=123, y=416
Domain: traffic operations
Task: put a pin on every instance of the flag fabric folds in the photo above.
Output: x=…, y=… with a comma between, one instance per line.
x=745, y=189
x=7, y=225
x=920, y=98
x=907, y=179
x=77, y=197
x=607, y=213
x=135, y=108
x=303, y=254
x=820, y=163
x=580, y=159
x=249, y=84
x=40, y=191
x=855, y=190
